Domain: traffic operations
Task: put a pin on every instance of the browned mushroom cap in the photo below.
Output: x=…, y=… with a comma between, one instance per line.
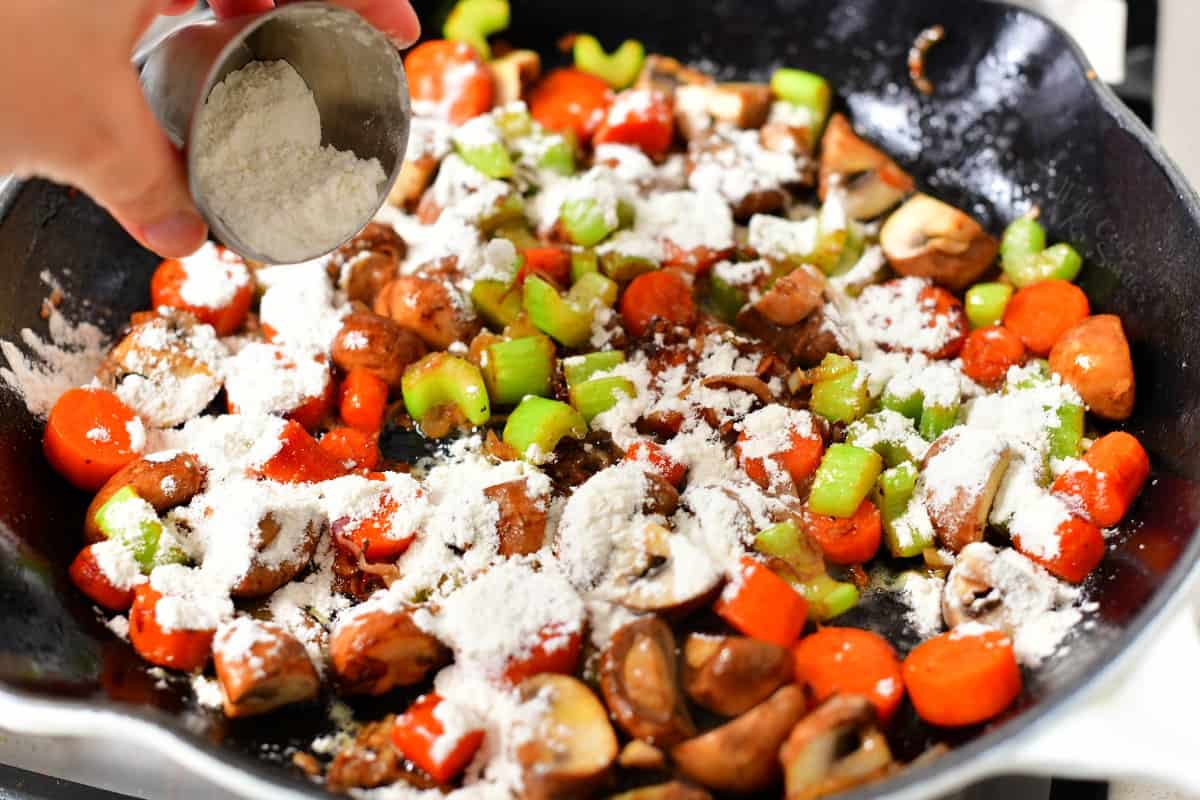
x=638, y=677
x=368, y=261
x=272, y=566
x=661, y=495
x=835, y=747
x=958, y=500
x=425, y=307
x=377, y=344
x=369, y=761
x=645, y=575
x=971, y=593
x=513, y=73
x=573, y=746
x=640, y=755
x=378, y=649
x=415, y=176
x=742, y=755
x=163, y=484
x=930, y=239
x=522, y=523
x=261, y=667
x=743, y=105
x=675, y=790
x=665, y=74
x=732, y=674
x=873, y=181
x=793, y=297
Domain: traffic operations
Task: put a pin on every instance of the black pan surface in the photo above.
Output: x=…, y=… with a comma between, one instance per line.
x=1016, y=120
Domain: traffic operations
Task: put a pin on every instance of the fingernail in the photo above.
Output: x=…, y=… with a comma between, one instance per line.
x=177, y=235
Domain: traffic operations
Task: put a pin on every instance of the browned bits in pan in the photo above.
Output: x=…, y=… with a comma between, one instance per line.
x=916, y=56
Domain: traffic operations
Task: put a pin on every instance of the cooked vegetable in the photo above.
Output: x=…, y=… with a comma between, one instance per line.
x=639, y=755
x=595, y=396
x=843, y=480
x=761, y=604
x=873, y=181
x=1080, y=550
x=513, y=74
x=836, y=747
x=364, y=400
x=497, y=302
x=896, y=487
x=799, y=562
x=537, y=425
x=442, y=383
x=740, y=756
x=573, y=746
x=986, y=303
x=1026, y=259
x=448, y=80
x=578, y=369
x=645, y=573
x=591, y=290
x=372, y=651
x=490, y=158
x=641, y=118
x=585, y=222
x=163, y=484
x=1093, y=356
x=518, y=367
x=415, y=176
x=959, y=515
x=130, y=520
x=937, y=419
x=261, y=667
x=798, y=462
x=793, y=297
x=90, y=437
x=522, y=519
x=743, y=105
x=373, y=536
x=552, y=263
x=805, y=89
x=91, y=579
x=166, y=290
x=675, y=790
x=654, y=456
x=848, y=540
x=623, y=267
x=420, y=735
x=472, y=21
x=570, y=100
x=731, y=674
x=1042, y=312
x=269, y=569
x=1115, y=468
x=553, y=314
x=618, y=69
x=555, y=653
x=425, y=307
x=638, y=681
x=377, y=344
x=353, y=448
x=300, y=459
x=839, y=393
x=183, y=649
x=963, y=677
x=662, y=295
x=930, y=239
x=841, y=661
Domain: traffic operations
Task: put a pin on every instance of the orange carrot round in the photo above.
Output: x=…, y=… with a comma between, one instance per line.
x=300, y=459
x=852, y=540
x=1080, y=550
x=1042, y=312
x=90, y=578
x=352, y=447
x=571, y=100
x=851, y=661
x=664, y=294
x=313, y=411
x=166, y=289
x=941, y=306
x=554, y=652
x=762, y=605
x=657, y=458
x=695, y=260
x=642, y=118
x=799, y=461
x=552, y=263
x=963, y=677
x=90, y=435
x=364, y=400
x=448, y=80
x=1116, y=466
x=989, y=352
x=184, y=650
x=374, y=536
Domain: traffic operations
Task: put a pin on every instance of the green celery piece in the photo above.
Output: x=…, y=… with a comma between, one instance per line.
x=619, y=70
x=598, y=395
x=440, y=379
x=806, y=570
x=131, y=520
x=844, y=477
x=1022, y=238
x=986, y=303
x=623, y=267
x=805, y=89
x=510, y=209
x=536, y=426
x=1059, y=262
x=514, y=123
x=725, y=299
x=497, y=302
x=584, y=221
x=828, y=598
x=472, y=21
x=552, y=314
x=843, y=398
x=1026, y=259
x=828, y=253
x=892, y=452
x=583, y=261
x=908, y=405
x=559, y=156
x=518, y=367
x=1066, y=436
x=491, y=159
x=936, y=420
x=895, y=489
x=592, y=288
x=626, y=215
x=831, y=367
x=578, y=369
x=519, y=234
x=852, y=249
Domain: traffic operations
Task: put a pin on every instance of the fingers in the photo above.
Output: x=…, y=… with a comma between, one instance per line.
x=396, y=18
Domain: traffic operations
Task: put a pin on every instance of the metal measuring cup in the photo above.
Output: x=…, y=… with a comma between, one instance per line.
x=355, y=73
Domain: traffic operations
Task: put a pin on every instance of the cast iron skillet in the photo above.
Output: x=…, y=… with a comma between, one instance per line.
x=1016, y=120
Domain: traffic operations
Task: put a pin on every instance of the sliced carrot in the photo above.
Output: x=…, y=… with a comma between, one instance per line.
x=850, y=540
x=353, y=448
x=851, y=661
x=653, y=454
x=90, y=436
x=571, y=100
x=315, y=410
x=556, y=651
x=184, y=650
x=300, y=459
x=552, y=263
x=664, y=294
x=695, y=260
x=418, y=732
x=448, y=80
x=1042, y=312
x=642, y=118
x=166, y=289
x=962, y=677
x=762, y=605
x=90, y=578
x=1116, y=468
x=374, y=536
x=943, y=307
x=989, y=352
x=1080, y=550
x=364, y=400
x=799, y=461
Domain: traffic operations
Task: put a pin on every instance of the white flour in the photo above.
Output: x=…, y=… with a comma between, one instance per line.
x=264, y=171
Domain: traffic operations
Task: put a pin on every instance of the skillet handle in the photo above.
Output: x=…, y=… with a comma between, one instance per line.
x=1140, y=724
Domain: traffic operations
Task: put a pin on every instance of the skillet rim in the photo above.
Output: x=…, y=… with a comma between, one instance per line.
x=961, y=765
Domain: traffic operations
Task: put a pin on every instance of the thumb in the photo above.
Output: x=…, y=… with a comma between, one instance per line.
x=137, y=174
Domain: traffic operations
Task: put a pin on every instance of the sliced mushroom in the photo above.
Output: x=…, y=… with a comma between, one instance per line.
x=744, y=105
x=834, y=748
x=522, y=523
x=1094, y=358
x=363, y=265
x=873, y=181
x=661, y=495
x=802, y=345
x=261, y=667
x=573, y=746
x=377, y=344
x=416, y=174
x=425, y=307
x=785, y=138
x=640, y=755
x=665, y=75
x=638, y=677
x=645, y=573
x=163, y=484
x=377, y=649
x=970, y=593
x=742, y=755
x=675, y=790
x=732, y=674
x=794, y=296
x=280, y=555
x=961, y=473
x=931, y=239
x=513, y=74
x=371, y=760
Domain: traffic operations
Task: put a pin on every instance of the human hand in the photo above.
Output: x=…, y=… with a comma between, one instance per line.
x=72, y=109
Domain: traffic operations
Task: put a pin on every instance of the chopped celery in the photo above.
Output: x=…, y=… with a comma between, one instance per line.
x=520, y=328
x=805, y=89
x=618, y=69
x=536, y=426
x=1026, y=259
x=497, y=302
x=1023, y=237
x=583, y=261
x=439, y=380
x=472, y=21
x=626, y=214
x=592, y=288
x=805, y=570
x=895, y=448
x=519, y=234
x=558, y=156
x=598, y=395
x=1066, y=435
x=936, y=420
x=131, y=520
x=895, y=489
x=842, y=398
x=986, y=303
x=578, y=369
x=514, y=122
x=725, y=299
x=552, y=314
x=585, y=221
x=491, y=159
x=828, y=253
x=518, y=367
x=852, y=249
x=625, y=267
x=511, y=208
x=909, y=405
x=843, y=479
